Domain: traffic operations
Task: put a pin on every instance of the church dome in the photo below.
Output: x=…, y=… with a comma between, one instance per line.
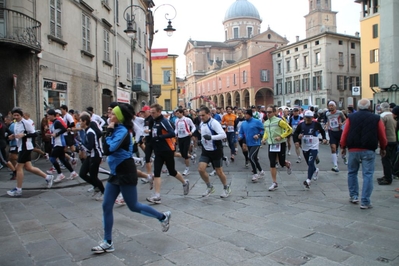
x=241, y=8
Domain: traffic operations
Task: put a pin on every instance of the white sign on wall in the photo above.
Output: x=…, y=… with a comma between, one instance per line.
x=123, y=96
x=356, y=91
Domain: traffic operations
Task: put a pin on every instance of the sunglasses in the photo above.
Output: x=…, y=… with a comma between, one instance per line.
x=269, y=112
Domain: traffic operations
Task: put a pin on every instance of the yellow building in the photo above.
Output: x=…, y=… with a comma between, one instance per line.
x=164, y=74
x=370, y=48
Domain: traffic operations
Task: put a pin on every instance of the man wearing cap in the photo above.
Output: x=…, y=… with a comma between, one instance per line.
x=23, y=133
x=255, y=113
x=335, y=120
x=294, y=121
x=148, y=123
x=362, y=133
x=228, y=124
x=252, y=130
x=308, y=132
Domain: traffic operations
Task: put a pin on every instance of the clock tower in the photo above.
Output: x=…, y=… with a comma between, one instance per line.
x=320, y=18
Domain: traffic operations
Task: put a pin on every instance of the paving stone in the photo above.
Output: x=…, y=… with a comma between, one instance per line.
x=134, y=253
x=325, y=218
x=35, y=237
x=160, y=243
x=61, y=262
x=360, y=261
x=13, y=252
x=19, y=216
x=78, y=248
x=13, y=206
x=322, y=261
x=256, y=261
x=50, y=218
x=329, y=241
x=85, y=222
x=64, y=231
x=73, y=212
x=193, y=257
x=372, y=252
x=102, y=259
x=288, y=229
x=211, y=228
x=46, y=251
x=290, y=256
x=6, y=229
x=191, y=237
x=28, y=226
x=227, y=252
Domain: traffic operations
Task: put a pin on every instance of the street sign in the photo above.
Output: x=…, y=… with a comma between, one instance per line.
x=356, y=91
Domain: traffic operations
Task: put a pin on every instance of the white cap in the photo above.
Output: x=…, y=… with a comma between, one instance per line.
x=308, y=113
x=58, y=111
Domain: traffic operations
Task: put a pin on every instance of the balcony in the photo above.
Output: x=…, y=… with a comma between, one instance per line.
x=141, y=86
x=19, y=30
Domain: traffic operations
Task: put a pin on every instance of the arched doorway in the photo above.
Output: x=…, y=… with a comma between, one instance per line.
x=215, y=100
x=221, y=101
x=245, y=96
x=106, y=99
x=228, y=96
x=236, y=99
x=264, y=96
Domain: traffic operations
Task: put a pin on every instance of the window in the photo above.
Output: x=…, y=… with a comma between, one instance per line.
x=323, y=101
x=297, y=84
x=353, y=45
x=305, y=83
x=225, y=35
x=86, y=32
x=235, y=33
x=354, y=82
x=214, y=85
x=288, y=65
x=317, y=42
x=278, y=68
x=288, y=86
x=117, y=11
x=117, y=63
x=296, y=61
x=374, y=56
x=375, y=6
x=340, y=59
x=220, y=83
x=353, y=60
x=340, y=42
x=318, y=59
x=137, y=71
x=234, y=79
x=296, y=49
x=249, y=32
x=167, y=105
x=278, y=55
x=244, y=76
x=305, y=61
x=166, y=77
x=228, y=81
x=306, y=101
x=279, y=87
x=317, y=81
x=106, y=47
x=55, y=18
x=128, y=72
x=264, y=75
x=305, y=46
x=288, y=52
x=209, y=87
x=139, y=36
x=375, y=31
x=374, y=80
x=340, y=82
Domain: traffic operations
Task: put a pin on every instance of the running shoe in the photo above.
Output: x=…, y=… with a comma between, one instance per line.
x=144, y=180
x=335, y=169
x=13, y=175
x=59, y=178
x=261, y=174
x=273, y=187
x=49, y=180
x=226, y=192
x=47, y=157
x=315, y=174
x=209, y=191
x=306, y=183
x=288, y=165
x=232, y=159
x=246, y=164
x=103, y=247
x=14, y=192
x=186, y=172
x=154, y=199
x=73, y=176
x=317, y=160
x=226, y=160
x=119, y=200
x=100, y=197
x=142, y=162
x=164, y=170
x=289, y=153
x=165, y=222
x=277, y=165
x=74, y=161
x=255, y=178
x=364, y=207
x=1, y=166
x=354, y=199
x=186, y=187
x=90, y=189
x=51, y=171
x=62, y=167
x=193, y=158
x=95, y=191
x=212, y=173
x=299, y=160
x=345, y=160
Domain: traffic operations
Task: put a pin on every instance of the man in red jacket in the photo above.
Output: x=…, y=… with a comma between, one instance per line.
x=362, y=133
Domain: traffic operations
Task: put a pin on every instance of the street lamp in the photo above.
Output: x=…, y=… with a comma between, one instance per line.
x=131, y=30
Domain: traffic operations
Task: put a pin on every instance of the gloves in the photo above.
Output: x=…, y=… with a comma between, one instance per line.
x=207, y=137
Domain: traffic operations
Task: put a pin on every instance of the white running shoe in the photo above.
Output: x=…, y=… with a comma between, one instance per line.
x=255, y=178
x=49, y=180
x=212, y=173
x=273, y=187
x=315, y=174
x=51, y=171
x=186, y=172
x=59, y=178
x=261, y=174
x=73, y=176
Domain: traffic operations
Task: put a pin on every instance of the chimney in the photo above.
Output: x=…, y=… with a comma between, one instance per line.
x=297, y=38
x=357, y=34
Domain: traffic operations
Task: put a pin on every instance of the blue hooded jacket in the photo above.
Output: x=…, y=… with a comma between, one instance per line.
x=249, y=129
x=120, y=147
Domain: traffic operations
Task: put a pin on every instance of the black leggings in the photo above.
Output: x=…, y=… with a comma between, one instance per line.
x=167, y=157
x=253, y=158
x=58, y=152
x=280, y=154
x=91, y=165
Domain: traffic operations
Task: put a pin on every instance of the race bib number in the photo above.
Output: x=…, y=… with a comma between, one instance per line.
x=334, y=123
x=307, y=140
x=294, y=127
x=230, y=129
x=145, y=128
x=181, y=130
x=13, y=148
x=275, y=147
x=154, y=133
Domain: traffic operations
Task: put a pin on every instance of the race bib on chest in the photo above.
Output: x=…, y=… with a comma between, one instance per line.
x=181, y=130
x=275, y=147
x=307, y=140
x=230, y=129
x=334, y=123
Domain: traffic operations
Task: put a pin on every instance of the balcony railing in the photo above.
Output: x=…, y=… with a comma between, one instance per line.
x=19, y=29
x=140, y=85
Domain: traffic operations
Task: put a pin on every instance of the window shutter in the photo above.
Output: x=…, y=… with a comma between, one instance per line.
x=59, y=19
x=357, y=81
x=314, y=83
x=52, y=17
x=345, y=82
x=371, y=80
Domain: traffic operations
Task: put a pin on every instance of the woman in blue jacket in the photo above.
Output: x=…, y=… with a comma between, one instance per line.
x=123, y=178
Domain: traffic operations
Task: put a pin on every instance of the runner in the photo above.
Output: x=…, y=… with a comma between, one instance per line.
x=239, y=120
x=119, y=147
x=212, y=151
x=228, y=121
x=23, y=133
x=308, y=132
x=294, y=122
x=252, y=130
x=162, y=136
x=335, y=120
x=184, y=129
x=276, y=132
x=4, y=133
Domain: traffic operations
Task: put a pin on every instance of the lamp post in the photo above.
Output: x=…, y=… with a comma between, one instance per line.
x=131, y=30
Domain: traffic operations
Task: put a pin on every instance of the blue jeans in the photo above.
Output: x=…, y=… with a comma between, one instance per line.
x=367, y=158
x=231, y=140
x=129, y=193
x=310, y=157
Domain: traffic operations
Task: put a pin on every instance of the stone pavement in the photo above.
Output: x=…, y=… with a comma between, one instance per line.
x=289, y=226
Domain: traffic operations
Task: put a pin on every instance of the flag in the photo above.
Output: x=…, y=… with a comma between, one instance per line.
x=159, y=53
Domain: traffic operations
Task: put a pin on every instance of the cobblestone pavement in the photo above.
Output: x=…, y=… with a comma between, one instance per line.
x=289, y=226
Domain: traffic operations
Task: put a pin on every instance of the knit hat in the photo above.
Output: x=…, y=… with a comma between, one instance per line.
x=395, y=110
x=17, y=110
x=51, y=112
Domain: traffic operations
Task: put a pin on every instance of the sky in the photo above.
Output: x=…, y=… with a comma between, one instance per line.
x=202, y=20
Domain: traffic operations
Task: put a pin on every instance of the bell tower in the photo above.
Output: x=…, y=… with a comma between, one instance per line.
x=320, y=18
